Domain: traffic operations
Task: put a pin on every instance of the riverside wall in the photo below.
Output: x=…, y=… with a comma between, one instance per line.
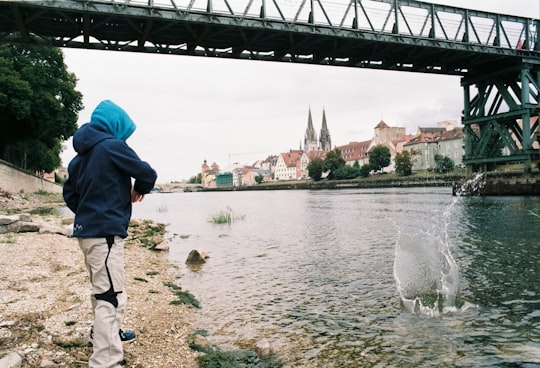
x=372, y=182
x=501, y=184
x=15, y=180
x=493, y=184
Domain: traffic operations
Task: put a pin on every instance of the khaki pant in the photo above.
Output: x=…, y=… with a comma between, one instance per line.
x=105, y=265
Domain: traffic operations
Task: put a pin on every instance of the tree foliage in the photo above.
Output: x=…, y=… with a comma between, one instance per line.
x=379, y=157
x=404, y=163
x=315, y=168
x=333, y=162
x=346, y=172
x=38, y=105
x=444, y=164
x=364, y=170
x=197, y=179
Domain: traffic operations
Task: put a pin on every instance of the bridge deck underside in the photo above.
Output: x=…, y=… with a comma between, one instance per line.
x=505, y=76
x=207, y=35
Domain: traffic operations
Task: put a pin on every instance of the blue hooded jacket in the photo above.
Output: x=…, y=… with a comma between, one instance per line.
x=98, y=189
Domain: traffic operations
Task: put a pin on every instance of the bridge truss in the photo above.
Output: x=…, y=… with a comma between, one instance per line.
x=497, y=55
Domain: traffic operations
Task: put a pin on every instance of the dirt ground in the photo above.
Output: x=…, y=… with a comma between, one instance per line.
x=45, y=311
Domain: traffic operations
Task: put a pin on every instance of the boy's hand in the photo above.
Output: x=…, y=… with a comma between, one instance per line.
x=136, y=196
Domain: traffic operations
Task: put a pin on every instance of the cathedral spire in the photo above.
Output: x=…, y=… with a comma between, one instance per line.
x=326, y=142
x=310, y=138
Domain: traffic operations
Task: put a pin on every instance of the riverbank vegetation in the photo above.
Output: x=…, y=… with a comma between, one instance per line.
x=42, y=108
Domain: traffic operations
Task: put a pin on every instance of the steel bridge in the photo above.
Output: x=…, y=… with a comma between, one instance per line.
x=497, y=55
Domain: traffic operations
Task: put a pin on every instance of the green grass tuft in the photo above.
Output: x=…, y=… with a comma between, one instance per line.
x=183, y=297
x=226, y=217
x=77, y=342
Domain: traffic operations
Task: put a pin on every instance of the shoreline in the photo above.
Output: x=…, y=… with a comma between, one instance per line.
x=45, y=313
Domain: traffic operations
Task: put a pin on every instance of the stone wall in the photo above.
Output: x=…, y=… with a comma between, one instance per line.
x=15, y=180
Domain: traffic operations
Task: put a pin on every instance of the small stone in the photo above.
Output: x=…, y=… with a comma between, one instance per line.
x=47, y=363
x=7, y=323
x=12, y=360
x=68, y=220
x=47, y=229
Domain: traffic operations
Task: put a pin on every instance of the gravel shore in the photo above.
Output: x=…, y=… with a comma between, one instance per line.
x=45, y=311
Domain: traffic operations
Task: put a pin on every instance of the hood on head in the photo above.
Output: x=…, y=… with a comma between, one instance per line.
x=113, y=119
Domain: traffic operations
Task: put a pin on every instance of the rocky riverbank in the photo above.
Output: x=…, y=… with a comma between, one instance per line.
x=45, y=315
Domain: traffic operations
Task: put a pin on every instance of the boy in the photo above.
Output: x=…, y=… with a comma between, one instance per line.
x=100, y=193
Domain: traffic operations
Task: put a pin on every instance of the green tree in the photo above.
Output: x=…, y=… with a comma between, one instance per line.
x=259, y=179
x=315, y=168
x=379, y=158
x=197, y=179
x=333, y=162
x=404, y=163
x=38, y=104
x=346, y=172
x=365, y=170
x=444, y=163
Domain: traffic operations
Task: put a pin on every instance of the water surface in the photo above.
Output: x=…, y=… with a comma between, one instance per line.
x=313, y=273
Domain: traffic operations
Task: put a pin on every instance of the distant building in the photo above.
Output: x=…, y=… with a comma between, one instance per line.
x=385, y=134
x=269, y=164
x=306, y=158
x=250, y=175
x=451, y=145
x=390, y=137
x=355, y=152
x=324, y=139
x=208, y=174
x=311, y=143
x=224, y=179
x=288, y=166
x=434, y=142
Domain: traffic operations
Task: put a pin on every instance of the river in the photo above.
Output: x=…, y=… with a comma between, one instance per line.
x=404, y=277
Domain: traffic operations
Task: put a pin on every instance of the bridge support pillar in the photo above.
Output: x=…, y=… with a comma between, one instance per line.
x=500, y=118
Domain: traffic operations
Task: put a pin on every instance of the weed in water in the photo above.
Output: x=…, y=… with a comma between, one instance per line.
x=226, y=217
x=140, y=279
x=183, y=297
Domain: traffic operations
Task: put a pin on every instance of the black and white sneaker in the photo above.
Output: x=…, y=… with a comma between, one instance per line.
x=125, y=336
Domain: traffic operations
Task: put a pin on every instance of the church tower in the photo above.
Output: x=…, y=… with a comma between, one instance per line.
x=326, y=142
x=310, y=138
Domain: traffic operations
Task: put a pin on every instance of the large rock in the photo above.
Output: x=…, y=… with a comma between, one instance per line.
x=24, y=223
x=9, y=219
x=196, y=257
x=49, y=229
x=19, y=227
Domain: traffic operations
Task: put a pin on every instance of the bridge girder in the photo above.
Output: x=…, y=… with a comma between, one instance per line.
x=414, y=36
x=501, y=117
x=497, y=55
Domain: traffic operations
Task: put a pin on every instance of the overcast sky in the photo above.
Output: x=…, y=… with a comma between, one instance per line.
x=188, y=109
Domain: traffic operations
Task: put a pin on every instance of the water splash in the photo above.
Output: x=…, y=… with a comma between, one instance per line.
x=426, y=274
x=471, y=187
